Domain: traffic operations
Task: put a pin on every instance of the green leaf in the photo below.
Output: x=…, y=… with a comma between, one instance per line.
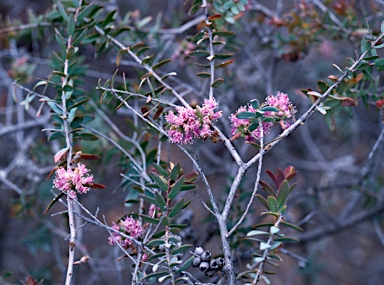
x=379, y=62
x=268, y=188
x=223, y=56
x=160, y=202
x=203, y=74
x=78, y=103
x=57, y=198
x=245, y=115
x=175, y=172
x=160, y=64
x=256, y=232
x=203, y=53
x=286, y=239
x=382, y=27
x=217, y=82
x=159, y=181
x=160, y=170
x=283, y=193
x=272, y=204
x=223, y=34
x=80, y=37
x=186, y=264
x=255, y=104
x=176, y=188
x=62, y=11
x=149, y=219
x=253, y=126
x=368, y=75
x=71, y=25
x=292, y=226
x=55, y=135
x=177, y=208
x=155, y=242
x=88, y=137
x=262, y=200
x=365, y=45
x=269, y=109
x=181, y=249
x=156, y=274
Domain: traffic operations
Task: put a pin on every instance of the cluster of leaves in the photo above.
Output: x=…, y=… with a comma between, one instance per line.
x=360, y=84
x=168, y=247
x=275, y=204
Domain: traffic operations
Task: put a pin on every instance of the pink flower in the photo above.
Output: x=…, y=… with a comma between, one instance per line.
x=68, y=180
x=189, y=123
x=128, y=226
x=284, y=115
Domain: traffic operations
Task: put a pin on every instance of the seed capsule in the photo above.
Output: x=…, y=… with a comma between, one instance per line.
x=199, y=250
x=206, y=256
x=196, y=261
x=204, y=266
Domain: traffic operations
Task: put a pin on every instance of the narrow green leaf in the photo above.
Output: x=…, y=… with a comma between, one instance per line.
x=186, y=264
x=160, y=170
x=382, y=27
x=292, y=226
x=175, y=172
x=203, y=53
x=255, y=232
x=245, y=115
x=156, y=274
x=88, y=137
x=203, y=74
x=155, y=242
x=176, y=188
x=160, y=202
x=149, y=219
x=283, y=193
x=62, y=11
x=160, y=64
x=272, y=204
x=286, y=239
x=57, y=198
x=368, y=75
x=181, y=249
x=269, y=109
x=177, y=208
x=71, y=25
x=268, y=188
x=77, y=104
x=262, y=200
x=159, y=181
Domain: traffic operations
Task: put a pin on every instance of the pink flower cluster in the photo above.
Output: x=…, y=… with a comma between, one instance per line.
x=191, y=123
x=286, y=109
x=73, y=181
x=285, y=116
x=128, y=226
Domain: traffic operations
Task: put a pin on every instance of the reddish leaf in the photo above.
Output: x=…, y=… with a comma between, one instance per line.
x=98, y=186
